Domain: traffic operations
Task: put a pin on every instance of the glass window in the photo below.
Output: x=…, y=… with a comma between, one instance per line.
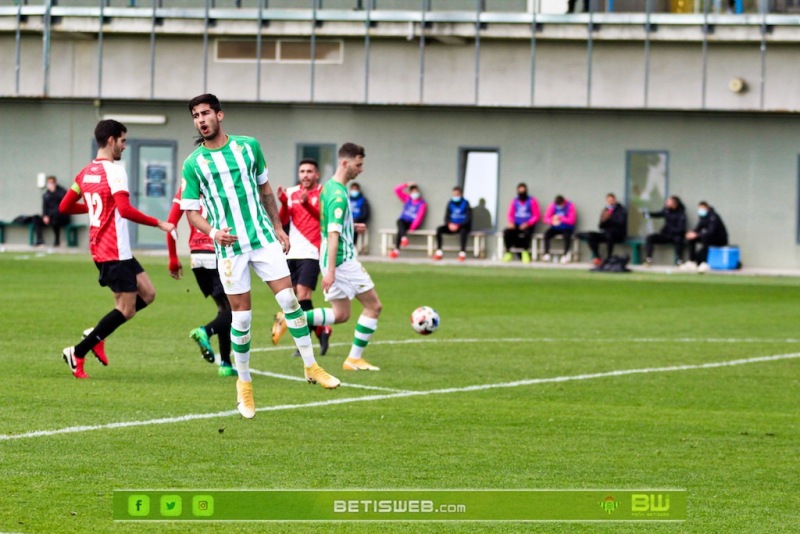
x=479, y=174
x=646, y=183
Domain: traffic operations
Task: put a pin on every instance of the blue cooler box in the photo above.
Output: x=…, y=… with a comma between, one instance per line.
x=723, y=258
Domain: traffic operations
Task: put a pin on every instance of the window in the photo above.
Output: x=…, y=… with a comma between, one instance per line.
x=646, y=183
x=324, y=153
x=479, y=173
x=280, y=50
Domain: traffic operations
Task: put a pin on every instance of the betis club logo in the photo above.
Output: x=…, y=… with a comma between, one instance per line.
x=609, y=504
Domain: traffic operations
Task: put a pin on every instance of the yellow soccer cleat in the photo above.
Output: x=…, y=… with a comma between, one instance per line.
x=359, y=365
x=279, y=327
x=244, y=397
x=317, y=375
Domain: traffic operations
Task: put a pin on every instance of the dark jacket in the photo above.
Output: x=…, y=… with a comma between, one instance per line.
x=50, y=203
x=617, y=223
x=712, y=228
x=674, y=221
x=359, y=207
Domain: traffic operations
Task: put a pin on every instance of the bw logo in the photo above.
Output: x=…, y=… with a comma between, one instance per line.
x=654, y=502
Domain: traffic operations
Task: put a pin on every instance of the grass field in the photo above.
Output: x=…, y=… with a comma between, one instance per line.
x=728, y=434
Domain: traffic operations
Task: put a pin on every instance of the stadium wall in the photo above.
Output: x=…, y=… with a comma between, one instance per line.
x=746, y=165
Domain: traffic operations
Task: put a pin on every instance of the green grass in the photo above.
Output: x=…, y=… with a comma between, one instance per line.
x=729, y=435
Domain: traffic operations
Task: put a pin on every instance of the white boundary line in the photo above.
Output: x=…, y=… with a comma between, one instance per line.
x=298, y=379
x=287, y=348
x=366, y=398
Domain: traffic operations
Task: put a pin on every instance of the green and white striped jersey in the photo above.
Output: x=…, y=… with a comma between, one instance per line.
x=335, y=216
x=226, y=181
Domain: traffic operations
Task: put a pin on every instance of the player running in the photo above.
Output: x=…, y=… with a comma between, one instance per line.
x=204, y=267
x=103, y=187
x=343, y=276
x=300, y=210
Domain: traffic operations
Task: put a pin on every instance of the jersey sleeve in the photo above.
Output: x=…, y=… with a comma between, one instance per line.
x=262, y=172
x=190, y=187
x=117, y=178
x=335, y=213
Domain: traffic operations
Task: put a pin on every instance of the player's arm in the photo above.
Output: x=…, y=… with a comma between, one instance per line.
x=175, y=267
x=268, y=200
x=219, y=235
x=311, y=208
x=329, y=277
x=284, y=211
x=70, y=204
x=123, y=202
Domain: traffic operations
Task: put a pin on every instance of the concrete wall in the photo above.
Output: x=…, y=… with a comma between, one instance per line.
x=745, y=165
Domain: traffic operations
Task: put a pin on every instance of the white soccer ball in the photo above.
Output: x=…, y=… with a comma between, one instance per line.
x=424, y=320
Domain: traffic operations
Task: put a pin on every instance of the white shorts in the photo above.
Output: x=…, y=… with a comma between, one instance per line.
x=351, y=280
x=268, y=262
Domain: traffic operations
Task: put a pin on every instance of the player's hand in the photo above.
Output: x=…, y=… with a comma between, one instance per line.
x=175, y=269
x=283, y=239
x=453, y=227
x=225, y=238
x=46, y=219
x=303, y=197
x=691, y=235
x=328, y=280
x=360, y=228
x=281, y=192
x=168, y=227
x=523, y=226
x=556, y=220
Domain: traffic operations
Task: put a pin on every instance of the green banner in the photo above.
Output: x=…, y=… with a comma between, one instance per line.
x=400, y=505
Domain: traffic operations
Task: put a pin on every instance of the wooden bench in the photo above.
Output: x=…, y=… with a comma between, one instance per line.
x=428, y=244
x=537, y=247
x=70, y=231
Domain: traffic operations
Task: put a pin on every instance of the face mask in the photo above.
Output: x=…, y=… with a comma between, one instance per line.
x=522, y=196
x=610, y=206
x=456, y=199
x=355, y=194
x=414, y=196
x=702, y=212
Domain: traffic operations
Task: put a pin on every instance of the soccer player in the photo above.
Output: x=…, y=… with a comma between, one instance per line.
x=204, y=267
x=300, y=210
x=228, y=175
x=343, y=276
x=103, y=187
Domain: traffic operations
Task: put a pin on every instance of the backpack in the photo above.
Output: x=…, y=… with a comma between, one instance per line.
x=614, y=264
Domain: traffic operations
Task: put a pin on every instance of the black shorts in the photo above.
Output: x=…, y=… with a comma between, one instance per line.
x=119, y=276
x=304, y=272
x=209, y=283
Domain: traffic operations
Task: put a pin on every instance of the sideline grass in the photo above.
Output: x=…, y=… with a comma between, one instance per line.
x=728, y=435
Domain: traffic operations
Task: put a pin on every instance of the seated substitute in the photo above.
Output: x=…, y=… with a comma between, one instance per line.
x=673, y=232
x=709, y=232
x=51, y=217
x=411, y=217
x=613, y=229
x=457, y=220
x=523, y=214
x=561, y=216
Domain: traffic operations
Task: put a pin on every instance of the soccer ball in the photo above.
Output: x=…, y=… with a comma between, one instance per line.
x=424, y=320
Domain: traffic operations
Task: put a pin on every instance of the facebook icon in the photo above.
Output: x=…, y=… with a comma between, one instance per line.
x=138, y=505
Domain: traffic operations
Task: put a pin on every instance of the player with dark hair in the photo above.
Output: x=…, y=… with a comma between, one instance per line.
x=228, y=176
x=300, y=211
x=204, y=267
x=344, y=278
x=103, y=187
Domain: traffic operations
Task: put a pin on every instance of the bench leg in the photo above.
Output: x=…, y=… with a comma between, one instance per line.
x=636, y=254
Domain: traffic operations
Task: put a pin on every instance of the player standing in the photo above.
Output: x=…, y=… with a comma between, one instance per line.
x=343, y=276
x=103, y=187
x=204, y=267
x=300, y=210
x=228, y=174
